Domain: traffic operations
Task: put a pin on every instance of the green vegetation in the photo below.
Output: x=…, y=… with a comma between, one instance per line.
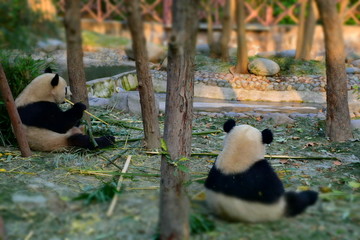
x=206, y=63
x=20, y=27
x=93, y=39
x=288, y=65
x=19, y=71
x=58, y=178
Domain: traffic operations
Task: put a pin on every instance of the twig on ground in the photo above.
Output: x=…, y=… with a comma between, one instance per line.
x=114, y=200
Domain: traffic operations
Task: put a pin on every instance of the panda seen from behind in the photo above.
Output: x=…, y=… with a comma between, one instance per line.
x=242, y=186
x=47, y=127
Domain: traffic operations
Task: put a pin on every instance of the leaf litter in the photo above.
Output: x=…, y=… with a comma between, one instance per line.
x=301, y=156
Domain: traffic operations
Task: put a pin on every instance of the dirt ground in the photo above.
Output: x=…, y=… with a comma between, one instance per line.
x=38, y=194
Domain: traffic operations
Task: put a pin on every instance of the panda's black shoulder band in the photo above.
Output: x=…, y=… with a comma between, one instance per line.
x=267, y=136
x=229, y=124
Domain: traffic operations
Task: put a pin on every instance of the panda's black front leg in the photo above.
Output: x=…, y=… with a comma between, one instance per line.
x=74, y=114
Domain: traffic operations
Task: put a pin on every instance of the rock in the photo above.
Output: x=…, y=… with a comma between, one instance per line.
x=352, y=70
x=129, y=82
x=286, y=53
x=351, y=56
x=155, y=52
x=130, y=102
x=279, y=118
x=356, y=63
x=266, y=54
x=263, y=67
x=203, y=48
x=51, y=45
x=355, y=124
x=94, y=101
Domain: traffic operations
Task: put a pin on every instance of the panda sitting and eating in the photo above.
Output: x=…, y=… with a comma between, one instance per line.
x=47, y=127
x=242, y=186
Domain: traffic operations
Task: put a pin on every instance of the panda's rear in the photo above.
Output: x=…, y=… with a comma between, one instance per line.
x=242, y=186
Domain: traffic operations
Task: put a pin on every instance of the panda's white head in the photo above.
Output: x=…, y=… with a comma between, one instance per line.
x=46, y=87
x=244, y=145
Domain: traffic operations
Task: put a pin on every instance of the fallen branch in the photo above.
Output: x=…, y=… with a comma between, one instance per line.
x=114, y=200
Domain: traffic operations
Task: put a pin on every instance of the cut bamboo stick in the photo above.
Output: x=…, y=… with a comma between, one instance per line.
x=114, y=200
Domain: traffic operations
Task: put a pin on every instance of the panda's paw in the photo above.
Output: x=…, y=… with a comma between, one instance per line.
x=105, y=141
x=79, y=107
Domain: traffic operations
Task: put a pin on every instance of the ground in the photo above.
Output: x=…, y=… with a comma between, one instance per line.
x=38, y=194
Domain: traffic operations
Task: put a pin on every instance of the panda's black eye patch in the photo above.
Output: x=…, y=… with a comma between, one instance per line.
x=267, y=136
x=66, y=91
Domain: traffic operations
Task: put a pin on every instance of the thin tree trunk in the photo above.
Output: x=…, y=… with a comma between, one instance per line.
x=337, y=117
x=174, y=202
x=226, y=30
x=306, y=30
x=14, y=115
x=210, y=27
x=146, y=89
x=242, y=55
x=74, y=52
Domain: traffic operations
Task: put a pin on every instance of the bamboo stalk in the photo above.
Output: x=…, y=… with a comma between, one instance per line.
x=114, y=200
x=30, y=234
x=206, y=132
x=144, y=188
x=88, y=113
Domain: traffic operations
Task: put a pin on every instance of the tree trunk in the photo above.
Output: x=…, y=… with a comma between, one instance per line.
x=146, y=89
x=74, y=52
x=174, y=203
x=226, y=30
x=337, y=117
x=242, y=55
x=210, y=25
x=14, y=115
x=306, y=30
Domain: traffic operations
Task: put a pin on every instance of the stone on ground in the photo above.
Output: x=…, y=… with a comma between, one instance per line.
x=129, y=102
x=263, y=67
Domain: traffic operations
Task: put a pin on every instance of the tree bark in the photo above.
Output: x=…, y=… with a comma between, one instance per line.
x=337, y=116
x=226, y=30
x=74, y=52
x=242, y=55
x=174, y=202
x=14, y=115
x=306, y=30
x=146, y=89
x=210, y=25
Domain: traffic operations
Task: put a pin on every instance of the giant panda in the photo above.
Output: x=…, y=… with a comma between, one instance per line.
x=47, y=127
x=242, y=186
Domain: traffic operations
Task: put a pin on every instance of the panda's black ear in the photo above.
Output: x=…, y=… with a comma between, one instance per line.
x=48, y=70
x=267, y=136
x=229, y=124
x=55, y=80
